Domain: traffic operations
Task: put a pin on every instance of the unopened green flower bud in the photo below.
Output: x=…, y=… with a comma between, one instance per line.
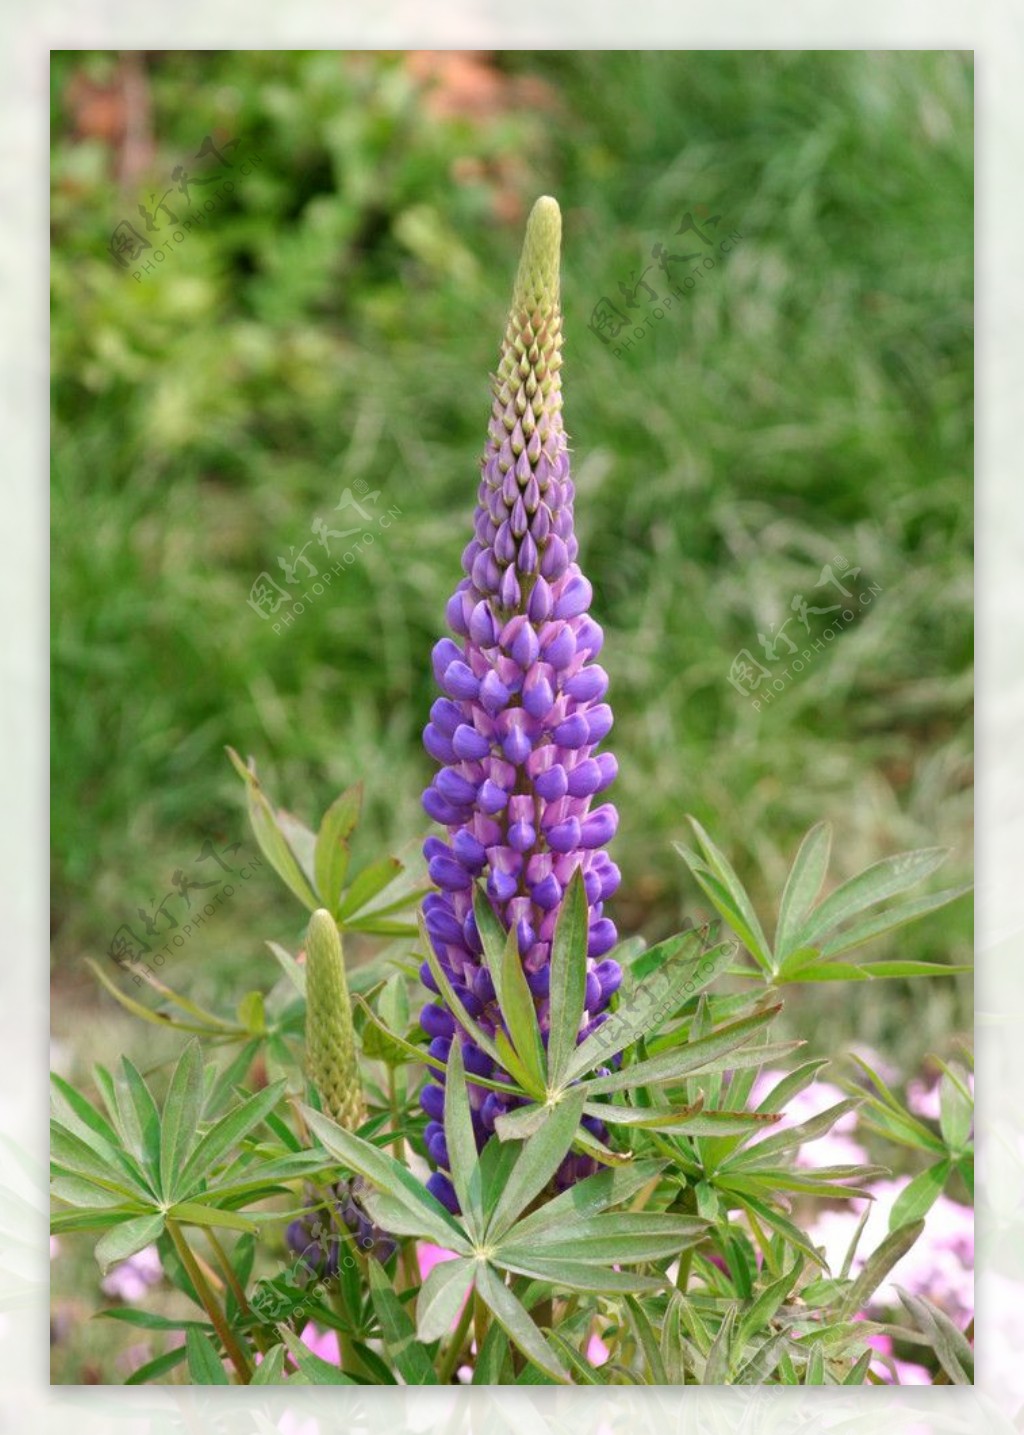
x=330, y=1037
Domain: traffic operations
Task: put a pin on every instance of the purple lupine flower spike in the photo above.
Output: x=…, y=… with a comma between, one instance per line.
x=521, y=782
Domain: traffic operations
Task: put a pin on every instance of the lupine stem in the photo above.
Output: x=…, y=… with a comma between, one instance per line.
x=234, y=1351
x=224, y=1261
x=683, y=1273
x=453, y=1349
x=480, y=1321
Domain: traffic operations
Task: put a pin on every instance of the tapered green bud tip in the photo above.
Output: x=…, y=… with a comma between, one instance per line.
x=537, y=279
x=322, y=931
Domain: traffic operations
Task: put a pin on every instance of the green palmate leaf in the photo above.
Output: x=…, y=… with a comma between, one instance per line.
x=917, y=1198
x=494, y=1364
x=406, y=1194
x=441, y=1296
x=647, y=1341
x=82, y=1118
x=514, y=1319
x=364, y=888
x=884, y=1113
x=79, y=1191
x=568, y=977
x=956, y=1109
x=764, y=1361
x=802, y=887
x=650, y=1003
x=295, y=973
x=717, y=1365
x=815, y=1372
x=788, y=1230
x=727, y=894
x=332, y=853
x=262, y=1176
x=878, y=1265
x=197, y=1214
x=704, y=1054
x=149, y=1320
x=891, y=920
x=539, y=1158
x=301, y=840
x=517, y=1125
x=791, y=1085
x=877, y=883
x=831, y=1181
x=523, y=1057
x=764, y=1308
x=182, y=1110
x=234, y=1074
x=139, y=1118
x=520, y=1014
x=77, y=1165
x=615, y=1238
x=71, y=1156
x=508, y=1058
x=859, y=1372
x=951, y=1346
x=153, y=1369
x=847, y=972
x=673, y=1344
x=270, y=837
x=90, y=1220
x=458, y=1127
x=380, y=1041
x=809, y=1130
x=588, y=1198
x=493, y=934
x=497, y=1160
x=227, y=1133
x=204, y=1364
x=586, y=1276
x=690, y=1121
x=145, y=1013
x=251, y=1013
x=270, y=1370
x=127, y=1238
x=406, y=1353
x=581, y=1368
x=453, y=1001
x=316, y=1371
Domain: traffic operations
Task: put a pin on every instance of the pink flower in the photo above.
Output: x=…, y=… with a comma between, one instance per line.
x=321, y=1342
x=924, y=1098
x=429, y=1256
x=907, y=1373
x=597, y=1351
x=129, y=1280
x=940, y=1265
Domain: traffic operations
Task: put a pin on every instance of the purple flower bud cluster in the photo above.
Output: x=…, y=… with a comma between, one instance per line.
x=521, y=780
x=318, y=1236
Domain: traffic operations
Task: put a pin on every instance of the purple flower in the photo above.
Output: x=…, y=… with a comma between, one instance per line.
x=517, y=729
x=318, y=1236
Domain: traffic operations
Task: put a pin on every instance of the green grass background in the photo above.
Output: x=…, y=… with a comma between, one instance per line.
x=334, y=323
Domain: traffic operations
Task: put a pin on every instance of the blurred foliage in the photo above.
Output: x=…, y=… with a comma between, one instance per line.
x=331, y=323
